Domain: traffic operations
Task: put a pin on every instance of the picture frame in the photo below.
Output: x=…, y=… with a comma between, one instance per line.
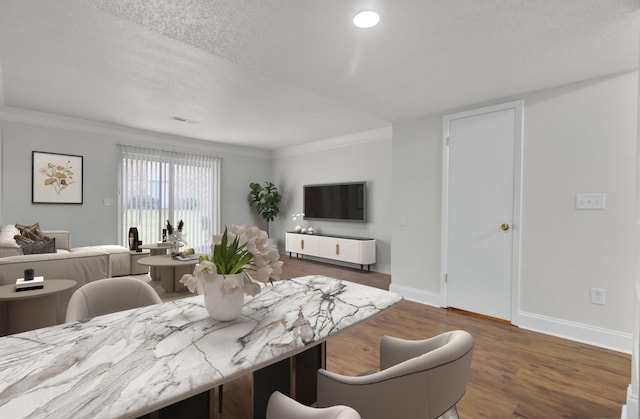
x=56, y=178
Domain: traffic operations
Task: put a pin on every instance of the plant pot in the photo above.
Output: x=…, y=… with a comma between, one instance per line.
x=223, y=303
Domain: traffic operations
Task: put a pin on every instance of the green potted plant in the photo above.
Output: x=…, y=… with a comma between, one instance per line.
x=266, y=198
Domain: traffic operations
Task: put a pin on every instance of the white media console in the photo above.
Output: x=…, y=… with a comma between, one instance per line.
x=358, y=250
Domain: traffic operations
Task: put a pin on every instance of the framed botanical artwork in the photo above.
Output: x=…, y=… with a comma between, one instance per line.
x=56, y=178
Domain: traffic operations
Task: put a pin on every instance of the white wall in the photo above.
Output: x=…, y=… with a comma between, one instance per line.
x=580, y=138
x=577, y=138
x=361, y=161
x=92, y=222
x=417, y=181
x=2, y=102
x=88, y=222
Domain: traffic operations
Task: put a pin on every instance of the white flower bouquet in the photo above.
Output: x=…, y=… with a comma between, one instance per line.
x=236, y=252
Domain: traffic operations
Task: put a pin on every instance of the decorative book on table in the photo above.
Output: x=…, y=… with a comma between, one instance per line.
x=32, y=284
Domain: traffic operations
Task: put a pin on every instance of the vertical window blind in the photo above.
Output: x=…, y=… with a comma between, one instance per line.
x=158, y=185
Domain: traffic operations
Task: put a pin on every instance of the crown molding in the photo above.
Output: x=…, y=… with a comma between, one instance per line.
x=11, y=114
x=362, y=137
x=25, y=116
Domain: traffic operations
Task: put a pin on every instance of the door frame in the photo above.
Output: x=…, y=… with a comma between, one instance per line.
x=518, y=106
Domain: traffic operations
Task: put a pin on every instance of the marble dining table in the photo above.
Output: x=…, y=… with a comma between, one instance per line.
x=131, y=363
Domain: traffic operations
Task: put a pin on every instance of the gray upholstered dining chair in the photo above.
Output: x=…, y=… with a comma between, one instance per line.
x=109, y=295
x=283, y=407
x=417, y=379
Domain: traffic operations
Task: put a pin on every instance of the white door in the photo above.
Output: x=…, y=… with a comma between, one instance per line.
x=481, y=209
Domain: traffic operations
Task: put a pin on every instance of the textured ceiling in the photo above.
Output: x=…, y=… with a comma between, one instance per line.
x=277, y=73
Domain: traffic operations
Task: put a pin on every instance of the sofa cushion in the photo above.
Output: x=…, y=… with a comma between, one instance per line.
x=6, y=251
x=37, y=247
x=63, y=239
x=119, y=257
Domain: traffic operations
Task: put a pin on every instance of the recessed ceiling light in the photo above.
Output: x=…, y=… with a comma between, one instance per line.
x=366, y=19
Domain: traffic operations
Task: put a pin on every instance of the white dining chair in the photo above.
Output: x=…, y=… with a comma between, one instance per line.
x=417, y=379
x=283, y=407
x=109, y=295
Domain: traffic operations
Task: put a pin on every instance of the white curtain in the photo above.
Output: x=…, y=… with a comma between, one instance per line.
x=158, y=185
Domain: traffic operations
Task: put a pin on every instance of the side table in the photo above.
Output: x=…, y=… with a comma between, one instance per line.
x=136, y=268
x=156, y=249
x=171, y=270
x=33, y=309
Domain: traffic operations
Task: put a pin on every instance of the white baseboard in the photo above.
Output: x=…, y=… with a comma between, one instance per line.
x=584, y=333
x=591, y=335
x=419, y=296
x=630, y=410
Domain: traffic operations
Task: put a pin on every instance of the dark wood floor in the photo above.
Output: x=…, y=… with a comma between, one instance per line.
x=514, y=372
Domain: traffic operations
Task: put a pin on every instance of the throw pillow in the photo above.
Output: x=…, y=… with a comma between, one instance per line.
x=37, y=247
x=33, y=231
x=24, y=239
x=7, y=235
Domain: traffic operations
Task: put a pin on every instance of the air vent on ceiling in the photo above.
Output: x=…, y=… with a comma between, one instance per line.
x=181, y=119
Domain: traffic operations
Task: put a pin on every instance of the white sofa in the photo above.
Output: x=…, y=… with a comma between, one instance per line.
x=119, y=256
x=81, y=264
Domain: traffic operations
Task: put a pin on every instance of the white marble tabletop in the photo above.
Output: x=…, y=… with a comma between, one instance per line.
x=130, y=363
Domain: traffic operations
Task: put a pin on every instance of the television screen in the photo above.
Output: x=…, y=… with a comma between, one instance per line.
x=338, y=201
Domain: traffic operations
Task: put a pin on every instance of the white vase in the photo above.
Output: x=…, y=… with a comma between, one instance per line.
x=225, y=305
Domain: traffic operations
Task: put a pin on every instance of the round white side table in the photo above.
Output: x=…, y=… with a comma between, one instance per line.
x=33, y=309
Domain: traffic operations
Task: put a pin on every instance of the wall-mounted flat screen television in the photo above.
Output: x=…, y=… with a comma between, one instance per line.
x=336, y=201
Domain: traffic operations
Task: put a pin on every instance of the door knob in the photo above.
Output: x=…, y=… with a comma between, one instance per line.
x=504, y=227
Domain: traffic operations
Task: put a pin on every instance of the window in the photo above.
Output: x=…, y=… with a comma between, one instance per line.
x=157, y=185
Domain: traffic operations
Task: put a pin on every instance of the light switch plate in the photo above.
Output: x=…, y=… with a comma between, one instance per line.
x=598, y=296
x=590, y=201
